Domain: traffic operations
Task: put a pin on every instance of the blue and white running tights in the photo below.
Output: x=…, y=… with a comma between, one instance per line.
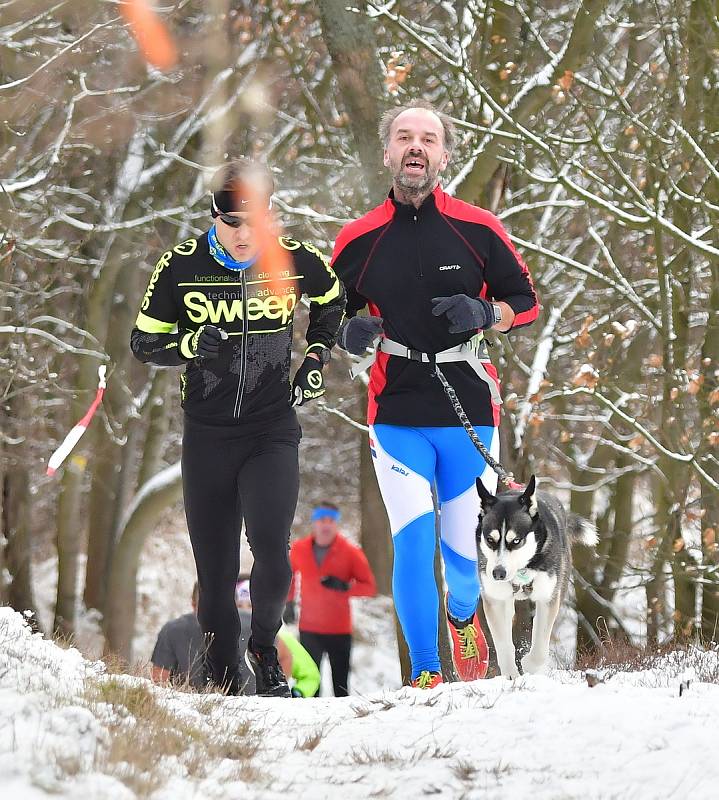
x=407, y=462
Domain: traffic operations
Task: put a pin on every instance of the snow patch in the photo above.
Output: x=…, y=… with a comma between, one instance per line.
x=632, y=734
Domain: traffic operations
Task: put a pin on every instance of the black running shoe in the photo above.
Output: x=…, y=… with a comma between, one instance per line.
x=269, y=678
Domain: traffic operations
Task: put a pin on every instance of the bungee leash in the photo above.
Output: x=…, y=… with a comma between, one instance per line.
x=505, y=477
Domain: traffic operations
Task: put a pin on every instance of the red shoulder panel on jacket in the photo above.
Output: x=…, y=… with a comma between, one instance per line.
x=466, y=212
x=374, y=219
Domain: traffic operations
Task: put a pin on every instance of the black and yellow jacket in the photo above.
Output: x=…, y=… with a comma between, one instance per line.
x=249, y=382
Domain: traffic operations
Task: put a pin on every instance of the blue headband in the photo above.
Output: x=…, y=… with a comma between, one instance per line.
x=321, y=512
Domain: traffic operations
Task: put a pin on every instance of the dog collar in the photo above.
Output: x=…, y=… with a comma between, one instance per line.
x=522, y=577
x=523, y=583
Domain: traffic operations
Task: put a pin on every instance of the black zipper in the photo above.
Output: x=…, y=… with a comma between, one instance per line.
x=243, y=347
x=419, y=250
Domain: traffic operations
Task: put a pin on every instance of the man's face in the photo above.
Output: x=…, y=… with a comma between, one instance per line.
x=324, y=530
x=240, y=243
x=415, y=152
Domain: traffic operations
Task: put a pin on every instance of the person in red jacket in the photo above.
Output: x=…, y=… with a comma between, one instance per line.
x=327, y=570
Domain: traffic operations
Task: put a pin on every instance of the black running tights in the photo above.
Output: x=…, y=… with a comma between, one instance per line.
x=338, y=647
x=229, y=476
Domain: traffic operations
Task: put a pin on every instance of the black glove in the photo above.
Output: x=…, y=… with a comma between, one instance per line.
x=464, y=313
x=206, y=341
x=357, y=334
x=308, y=383
x=333, y=582
x=289, y=616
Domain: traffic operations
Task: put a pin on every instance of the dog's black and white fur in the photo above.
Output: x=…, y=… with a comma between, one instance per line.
x=524, y=542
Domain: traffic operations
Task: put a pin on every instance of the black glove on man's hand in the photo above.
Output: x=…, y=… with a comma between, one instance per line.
x=206, y=341
x=358, y=333
x=333, y=582
x=464, y=313
x=308, y=383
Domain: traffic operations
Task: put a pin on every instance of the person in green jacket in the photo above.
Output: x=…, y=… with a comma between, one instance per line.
x=305, y=673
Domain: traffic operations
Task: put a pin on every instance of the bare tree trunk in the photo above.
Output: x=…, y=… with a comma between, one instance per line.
x=121, y=600
x=157, y=428
x=493, y=668
x=706, y=116
x=218, y=56
x=710, y=561
x=670, y=500
x=353, y=49
x=374, y=532
x=149, y=467
x=709, y=495
x=68, y=546
x=107, y=502
x=591, y=611
x=496, y=188
x=15, y=528
x=376, y=539
x=618, y=545
x=522, y=629
x=375, y=535
x=669, y=529
x=684, y=571
x=405, y=665
x=101, y=509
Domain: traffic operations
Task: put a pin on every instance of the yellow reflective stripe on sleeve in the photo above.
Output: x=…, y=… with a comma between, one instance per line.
x=149, y=325
x=333, y=293
x=185, y=345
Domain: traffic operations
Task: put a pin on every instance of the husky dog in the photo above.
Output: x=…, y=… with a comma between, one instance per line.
x=524, y=546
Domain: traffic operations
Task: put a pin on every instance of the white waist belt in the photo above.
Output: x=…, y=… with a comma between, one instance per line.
x=468, y=351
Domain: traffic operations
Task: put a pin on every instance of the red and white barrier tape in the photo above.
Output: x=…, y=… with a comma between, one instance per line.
x=76, y=433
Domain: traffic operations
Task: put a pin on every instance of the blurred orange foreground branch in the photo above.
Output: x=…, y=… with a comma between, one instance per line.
x=151, y=34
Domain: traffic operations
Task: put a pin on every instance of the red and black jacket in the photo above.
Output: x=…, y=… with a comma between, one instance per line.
x=395, y=259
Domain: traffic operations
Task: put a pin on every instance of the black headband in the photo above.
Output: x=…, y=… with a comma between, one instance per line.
x=227, y=201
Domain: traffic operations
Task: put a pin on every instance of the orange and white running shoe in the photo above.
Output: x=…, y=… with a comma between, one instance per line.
x=470, y=651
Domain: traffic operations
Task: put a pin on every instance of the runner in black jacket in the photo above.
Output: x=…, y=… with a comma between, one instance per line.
x=216, y=305
x=435, y=272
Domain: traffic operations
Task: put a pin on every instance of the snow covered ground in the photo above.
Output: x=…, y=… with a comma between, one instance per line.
x=69, y=730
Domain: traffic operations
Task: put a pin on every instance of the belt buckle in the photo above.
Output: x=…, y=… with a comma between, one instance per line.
x=478, y=346
x=414, y=355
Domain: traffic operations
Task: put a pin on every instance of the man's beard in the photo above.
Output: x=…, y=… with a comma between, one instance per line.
x=413, y=187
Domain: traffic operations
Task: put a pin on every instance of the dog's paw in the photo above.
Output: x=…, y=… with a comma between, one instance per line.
x=533, y=666
x=509, y=671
